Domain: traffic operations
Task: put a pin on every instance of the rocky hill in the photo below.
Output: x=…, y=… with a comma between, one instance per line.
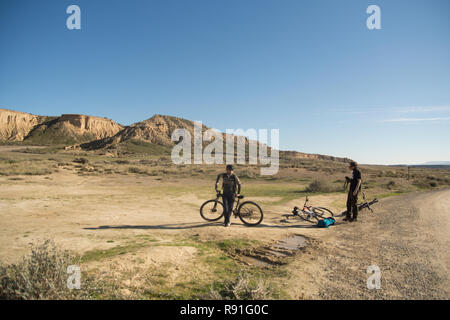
x=94, y=133
x=15, y=126
x=156, y=130
x=66, y=129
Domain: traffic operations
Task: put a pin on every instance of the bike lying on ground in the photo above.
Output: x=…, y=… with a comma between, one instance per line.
x=310, y=213
x=249, y=212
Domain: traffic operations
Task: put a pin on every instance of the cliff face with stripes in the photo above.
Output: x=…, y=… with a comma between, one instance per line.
x=15, y=126
x=65, y=129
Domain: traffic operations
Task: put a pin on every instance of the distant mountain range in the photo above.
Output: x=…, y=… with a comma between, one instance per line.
x=429, y=164
x=436, y=163
x=76, y=131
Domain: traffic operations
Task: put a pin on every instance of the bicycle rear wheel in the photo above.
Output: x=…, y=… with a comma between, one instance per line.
x=250, y=213
x=211, y=210
x=323, y=212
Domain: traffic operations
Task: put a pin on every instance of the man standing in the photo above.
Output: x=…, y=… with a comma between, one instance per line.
x=231, y=187
x=355, y=187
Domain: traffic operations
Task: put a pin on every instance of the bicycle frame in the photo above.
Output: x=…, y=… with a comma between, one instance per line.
x=306, y=209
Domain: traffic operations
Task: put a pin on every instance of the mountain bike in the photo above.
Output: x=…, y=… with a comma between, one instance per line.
x=249, y=212
x=363, y=205
x=310, y=213
x=367, y=204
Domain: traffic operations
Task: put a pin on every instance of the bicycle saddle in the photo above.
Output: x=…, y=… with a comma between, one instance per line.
x=240, y=197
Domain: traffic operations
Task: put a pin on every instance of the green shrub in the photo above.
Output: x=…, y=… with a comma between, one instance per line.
x=42, y=275
x=319, y=186
x=390, y=184
x=137, y=170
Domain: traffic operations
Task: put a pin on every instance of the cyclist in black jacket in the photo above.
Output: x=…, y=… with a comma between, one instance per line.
x=231, y=187
x=355, y=188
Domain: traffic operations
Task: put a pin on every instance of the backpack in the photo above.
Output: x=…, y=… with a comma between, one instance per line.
x=325, y=223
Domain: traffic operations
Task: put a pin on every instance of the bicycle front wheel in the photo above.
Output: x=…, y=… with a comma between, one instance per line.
x=211, y=210
x=250, y=213
x=323, y=212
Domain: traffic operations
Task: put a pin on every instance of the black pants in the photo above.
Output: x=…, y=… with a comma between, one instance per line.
x=228, y=202
x=352, y=205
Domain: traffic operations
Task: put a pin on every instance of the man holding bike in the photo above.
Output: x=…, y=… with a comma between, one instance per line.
x=355, y=188
x=231, y=187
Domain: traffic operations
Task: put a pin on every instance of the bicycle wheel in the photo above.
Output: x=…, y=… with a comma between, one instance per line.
x=211, y=210
x=323, y=212
x=250, y=213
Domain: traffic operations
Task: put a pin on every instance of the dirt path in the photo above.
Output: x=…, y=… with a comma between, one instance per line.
x=407, y=238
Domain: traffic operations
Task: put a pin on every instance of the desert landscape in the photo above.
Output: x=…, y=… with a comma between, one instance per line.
x=110, y=196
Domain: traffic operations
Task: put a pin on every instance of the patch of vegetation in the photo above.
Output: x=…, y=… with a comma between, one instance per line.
x=99, y=254
x=43, y=275
x=386, y=195
x=231, y=245
x=320, y=186
x=137, y=170
x=222, y=270
x=142, y=147
x=391, y=184
x=243, y=287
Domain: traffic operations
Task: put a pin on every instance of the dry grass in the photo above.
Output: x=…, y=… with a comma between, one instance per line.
x=242, y=288
x=42, y=275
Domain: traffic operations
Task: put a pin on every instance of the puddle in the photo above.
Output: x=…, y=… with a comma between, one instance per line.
x=295, y=242
x=274, y=254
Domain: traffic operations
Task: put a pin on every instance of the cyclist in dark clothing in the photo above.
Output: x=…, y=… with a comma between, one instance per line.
x=231, y=187
x=355, y=188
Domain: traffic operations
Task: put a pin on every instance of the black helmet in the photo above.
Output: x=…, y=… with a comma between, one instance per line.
x=230, y=167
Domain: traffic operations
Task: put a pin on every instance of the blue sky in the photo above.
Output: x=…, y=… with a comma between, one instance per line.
x=309, y=68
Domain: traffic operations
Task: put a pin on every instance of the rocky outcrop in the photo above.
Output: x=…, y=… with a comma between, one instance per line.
x=15, y=126
x=66, y=129
x=301, y=155
x=157, y=130
x=79, y=124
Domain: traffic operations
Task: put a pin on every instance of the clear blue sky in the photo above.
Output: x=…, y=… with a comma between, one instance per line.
x=309, y=68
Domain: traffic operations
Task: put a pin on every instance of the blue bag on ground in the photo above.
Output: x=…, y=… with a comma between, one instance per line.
x=325, y=223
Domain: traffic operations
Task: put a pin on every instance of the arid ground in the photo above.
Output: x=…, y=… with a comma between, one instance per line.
x=136, y=221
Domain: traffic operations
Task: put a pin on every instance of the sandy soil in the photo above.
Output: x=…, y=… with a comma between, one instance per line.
x=407, y=236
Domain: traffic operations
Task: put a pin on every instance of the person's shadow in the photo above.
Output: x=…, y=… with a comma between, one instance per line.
x=173, y=226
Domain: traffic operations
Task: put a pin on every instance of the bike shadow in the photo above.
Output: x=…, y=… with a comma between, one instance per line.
x=286, y=226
